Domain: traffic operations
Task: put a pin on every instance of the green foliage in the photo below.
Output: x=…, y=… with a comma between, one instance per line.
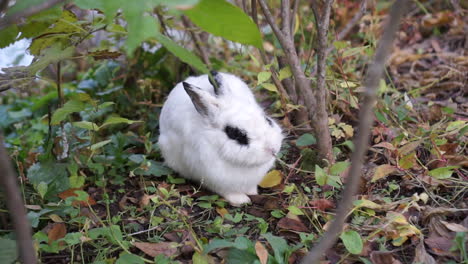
x=225, y=20
x=8, y=252
x=352, y=241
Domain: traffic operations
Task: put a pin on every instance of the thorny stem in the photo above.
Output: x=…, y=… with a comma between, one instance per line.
x=374, y=74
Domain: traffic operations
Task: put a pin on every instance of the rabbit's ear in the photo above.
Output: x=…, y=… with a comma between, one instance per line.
x=203, y=101
x=215, y=79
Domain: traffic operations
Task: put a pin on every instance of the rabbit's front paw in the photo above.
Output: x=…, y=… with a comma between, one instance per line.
x=237, y=199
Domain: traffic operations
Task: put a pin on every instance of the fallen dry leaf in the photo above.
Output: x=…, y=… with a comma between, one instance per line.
x=292, y=224
x=154, y=249
x=261, y=251
x=383, y=171
x=56, y=232
x=380, y=257
x=421, y=255
x=454, y=227
x=272, y=179
x=222, y=211
x=322, y=204
x=71, y=193
x=439, y=245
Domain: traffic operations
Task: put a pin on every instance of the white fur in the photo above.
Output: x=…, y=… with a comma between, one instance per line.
x=197, y=147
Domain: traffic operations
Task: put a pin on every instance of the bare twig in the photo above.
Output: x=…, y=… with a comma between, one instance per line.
x=16, y=207
x=13, y=19
x=374, y=73
x=302, y=82
x=197, y=40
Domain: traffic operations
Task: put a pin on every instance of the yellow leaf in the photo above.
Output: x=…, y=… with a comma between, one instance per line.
x=272, y=179
x=349, y=131
x=367, y=204
x=221, y=211
x=270, y=87
x=382, y=171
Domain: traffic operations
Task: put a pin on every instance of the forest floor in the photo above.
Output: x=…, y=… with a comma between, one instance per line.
x=121, y=204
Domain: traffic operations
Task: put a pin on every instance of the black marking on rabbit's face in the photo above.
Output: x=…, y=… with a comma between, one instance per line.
x=237, y=134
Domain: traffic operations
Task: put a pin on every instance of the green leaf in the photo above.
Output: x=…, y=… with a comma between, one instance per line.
x=306, y=140
x=279, y=245
x=8, y=251
x=53, y=174
x=237, y=256
x=339, y=167
x=118, y=120
x=8, y=36
x=86, y=125
x=285, y=73
x=153, y=168
x=294, y=210
x=263, y=77
x=352, y=241
x=320, y=176
x=216, y=244
x=127, y=258
x=42, y=189
x=50, y=55
x=442, y=173
x=112, y=233
x=99, y=144
x=69, y=107
x=270, y=87
x=182, y=53
x=140, y=27
x=198, y=258
x=226, y=20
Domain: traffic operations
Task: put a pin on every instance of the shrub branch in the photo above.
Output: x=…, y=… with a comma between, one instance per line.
x=374, y=73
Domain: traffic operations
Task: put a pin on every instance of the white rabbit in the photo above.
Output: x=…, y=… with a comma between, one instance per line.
x=213, y=131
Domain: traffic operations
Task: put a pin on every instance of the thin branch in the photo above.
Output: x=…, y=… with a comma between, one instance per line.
x=13, y=19
x=375, y=71
x=16, y=207
x=293, y=16
x=197, y=40
x=350, y=25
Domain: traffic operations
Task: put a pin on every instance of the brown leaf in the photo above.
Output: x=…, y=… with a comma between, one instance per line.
x=382, y=171
x=154, y=249
x=292, y=224
x=439, y=245
x=71, y=193
x=407, y=148
x=454, y=227
x=104, y=54
x=322, y=204
x=380, y=257
x=421, y=255
x=386, y=145
x=261, y=251
x=57, y=232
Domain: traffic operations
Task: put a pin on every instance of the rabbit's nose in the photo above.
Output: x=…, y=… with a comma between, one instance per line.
x=270, y=150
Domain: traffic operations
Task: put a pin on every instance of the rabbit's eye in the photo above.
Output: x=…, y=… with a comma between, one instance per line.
x=269, y=121
x=237, y=134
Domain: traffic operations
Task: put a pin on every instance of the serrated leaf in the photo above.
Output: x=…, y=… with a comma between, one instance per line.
x=182, y=53
x=263, y=77
x=352, y=241
x=69, y=107
x=306, y=140
x=49, y=55
x=272, y=179
x=285, y=73
x=270, y=87
x=226, y=20
x=442, y=173
x=383, y=171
